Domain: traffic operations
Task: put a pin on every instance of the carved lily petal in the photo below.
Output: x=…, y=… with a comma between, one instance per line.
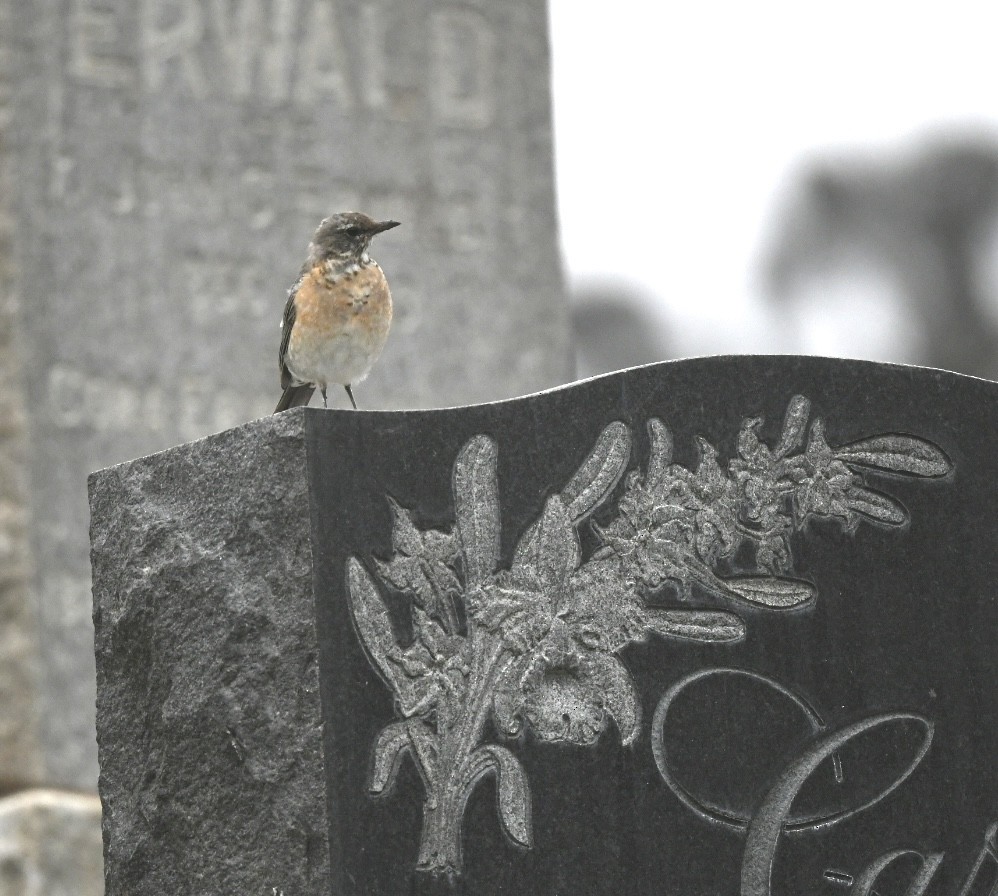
x=794, y=423
x=620, y=699
x=876, y=506
x=574, y=704
x=660, y=454
x=476, y=507
x=897, y=454
x=390, y=747
x=405, y=536
x=549, y=549
x=696, y=625
x=374, y=625
x=599, y=472
x=512, y=790
x=771, y=591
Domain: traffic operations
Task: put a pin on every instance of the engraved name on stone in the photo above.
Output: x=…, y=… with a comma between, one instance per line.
x=280, y=51
x=774, y=819
x=536, y=646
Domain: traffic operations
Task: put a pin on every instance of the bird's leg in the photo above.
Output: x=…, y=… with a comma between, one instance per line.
x=350, y=393
x=322, y=389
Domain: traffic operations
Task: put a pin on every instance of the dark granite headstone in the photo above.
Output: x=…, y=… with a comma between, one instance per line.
x=708, y=627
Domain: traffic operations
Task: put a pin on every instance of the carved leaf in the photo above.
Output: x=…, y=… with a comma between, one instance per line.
x=794, y=425
x=513, y=793
x=772, y=553
x=391, y=745
x=429, y=582
x=374, y=626
x=660, y=452
x=405, y=536
x=424, y=742
x=492, y=606
x=771, y=591
x=510, y=694
x=695, y=625
x=603, y=607
x=476, y=507
x=876, y=506
x=751, y=451
x=897, y=454
x=549, y=549
x=599, y=472
x=620, y=699
x=682, y=566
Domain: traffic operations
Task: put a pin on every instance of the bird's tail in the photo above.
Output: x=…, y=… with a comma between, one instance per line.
x=294, y=396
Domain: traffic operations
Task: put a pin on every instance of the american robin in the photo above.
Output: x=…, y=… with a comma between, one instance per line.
x=338, y=312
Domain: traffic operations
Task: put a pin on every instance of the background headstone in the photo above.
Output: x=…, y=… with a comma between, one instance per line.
x=720, y=625
x=20, y=759
x=905, y=241
x=50, y=844
x=167, y=162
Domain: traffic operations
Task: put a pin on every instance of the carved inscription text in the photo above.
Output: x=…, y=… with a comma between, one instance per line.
x=302, y=52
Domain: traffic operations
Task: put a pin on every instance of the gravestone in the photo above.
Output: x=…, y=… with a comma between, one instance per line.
x=50, y=844
x=713, y=626
x=168, y=161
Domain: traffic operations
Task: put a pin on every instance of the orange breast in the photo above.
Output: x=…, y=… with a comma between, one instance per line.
x=340, y=325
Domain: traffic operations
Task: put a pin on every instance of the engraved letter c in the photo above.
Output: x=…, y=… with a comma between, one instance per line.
x=769, y=820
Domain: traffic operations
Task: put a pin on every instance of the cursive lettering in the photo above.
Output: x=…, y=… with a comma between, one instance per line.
x=772, y=815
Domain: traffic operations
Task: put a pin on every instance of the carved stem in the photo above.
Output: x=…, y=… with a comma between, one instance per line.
x=440, y=847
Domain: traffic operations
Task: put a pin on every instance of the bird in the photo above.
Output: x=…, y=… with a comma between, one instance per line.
x=338, y=312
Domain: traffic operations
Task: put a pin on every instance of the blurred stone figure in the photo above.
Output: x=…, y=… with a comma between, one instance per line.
x=615, y=328
x=894, y=257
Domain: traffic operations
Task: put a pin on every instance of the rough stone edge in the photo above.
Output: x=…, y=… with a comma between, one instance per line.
x=132, y=473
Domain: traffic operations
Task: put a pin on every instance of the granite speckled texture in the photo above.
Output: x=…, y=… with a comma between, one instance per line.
x=712, y=626
x=208, y=691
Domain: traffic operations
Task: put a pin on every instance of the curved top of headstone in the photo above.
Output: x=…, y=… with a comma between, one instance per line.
x=728, y=364
x=707, y=624
x=719, y=625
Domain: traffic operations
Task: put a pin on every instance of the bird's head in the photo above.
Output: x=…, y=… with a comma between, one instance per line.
x=345, y=237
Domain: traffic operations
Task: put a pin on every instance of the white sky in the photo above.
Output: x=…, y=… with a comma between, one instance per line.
x=677, y=124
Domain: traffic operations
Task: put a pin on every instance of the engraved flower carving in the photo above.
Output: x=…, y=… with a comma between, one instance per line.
x=533, y=644
x=437, y=663
x=568, y=684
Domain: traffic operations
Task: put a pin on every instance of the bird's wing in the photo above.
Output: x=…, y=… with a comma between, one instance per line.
x=287, y=324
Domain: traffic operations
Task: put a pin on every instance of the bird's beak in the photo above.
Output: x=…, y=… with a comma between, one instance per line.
x=381, y=226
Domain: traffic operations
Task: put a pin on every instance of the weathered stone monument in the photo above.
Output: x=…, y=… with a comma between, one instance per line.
x=164, y=165
x=714, y=626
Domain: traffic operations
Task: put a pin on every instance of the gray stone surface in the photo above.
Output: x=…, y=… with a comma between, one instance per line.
x=208, y=717
x=50, y=844
x=721, y=625
x=20, y=754
x=169, y=161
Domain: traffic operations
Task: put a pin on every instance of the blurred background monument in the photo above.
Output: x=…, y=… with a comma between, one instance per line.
x=163, y=165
